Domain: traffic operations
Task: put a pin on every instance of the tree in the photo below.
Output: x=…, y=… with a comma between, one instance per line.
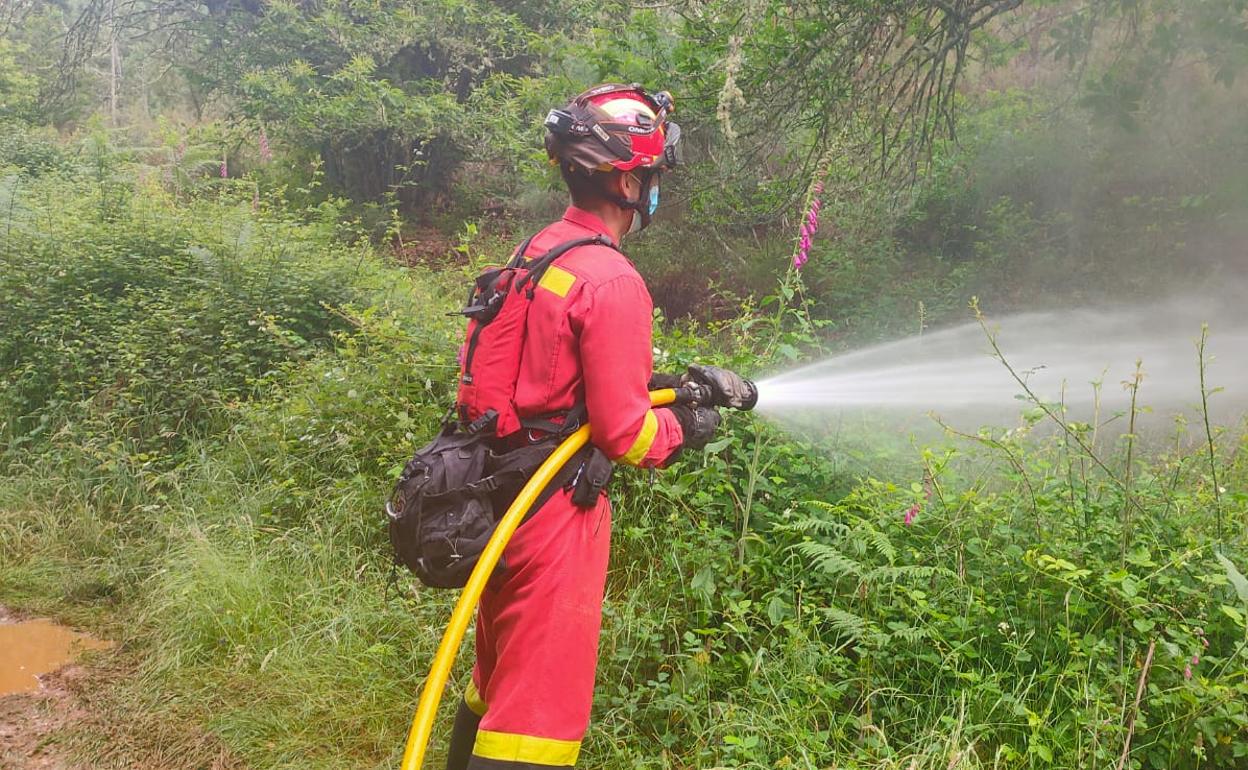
x=384, y=91
x=18, y=89
x=877, y=80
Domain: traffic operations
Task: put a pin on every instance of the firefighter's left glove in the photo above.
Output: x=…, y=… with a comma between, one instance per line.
x=726, y=388
x=661, y=381
x=698, y=423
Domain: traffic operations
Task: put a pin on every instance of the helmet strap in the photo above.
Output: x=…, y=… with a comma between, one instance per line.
x=640, y=206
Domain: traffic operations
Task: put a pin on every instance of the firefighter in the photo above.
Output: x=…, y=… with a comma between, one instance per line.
x=588, y=342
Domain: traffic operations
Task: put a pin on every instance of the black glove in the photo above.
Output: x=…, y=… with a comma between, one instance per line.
x=727, y=388
x=660, y=381
x=698, y=423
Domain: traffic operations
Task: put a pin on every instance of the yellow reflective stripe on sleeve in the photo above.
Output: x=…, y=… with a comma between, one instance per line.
x=473, y=699
x=645, y=438
x=510, y=747
x=557, y=280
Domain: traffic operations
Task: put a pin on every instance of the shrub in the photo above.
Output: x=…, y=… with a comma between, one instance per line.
x=130, y=316
x=29, y=151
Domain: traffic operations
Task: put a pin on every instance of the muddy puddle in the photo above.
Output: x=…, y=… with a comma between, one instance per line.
x=32, y=647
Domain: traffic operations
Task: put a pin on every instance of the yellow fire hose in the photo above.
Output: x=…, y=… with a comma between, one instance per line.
x=431, y=695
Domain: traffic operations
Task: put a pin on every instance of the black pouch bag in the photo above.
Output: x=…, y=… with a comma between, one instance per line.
x=441, y=513
x=592, y=478
x=449, y=498
x=453, y=491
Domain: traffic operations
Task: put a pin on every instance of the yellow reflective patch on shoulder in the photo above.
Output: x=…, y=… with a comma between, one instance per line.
x=511, y=747
x=645, y=439
x=557, y=280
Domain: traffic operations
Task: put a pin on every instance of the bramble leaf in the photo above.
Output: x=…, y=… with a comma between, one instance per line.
x=1236, y=577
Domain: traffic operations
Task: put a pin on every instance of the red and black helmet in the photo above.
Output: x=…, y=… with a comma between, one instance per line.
x=614, y=126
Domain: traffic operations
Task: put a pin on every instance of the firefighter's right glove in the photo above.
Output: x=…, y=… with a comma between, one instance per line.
x=698, y=423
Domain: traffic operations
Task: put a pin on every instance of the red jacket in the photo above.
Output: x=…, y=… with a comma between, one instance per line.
x=589, y=339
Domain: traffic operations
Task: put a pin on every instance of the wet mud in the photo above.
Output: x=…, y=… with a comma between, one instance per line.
x=83, y=716
x=36, y=690
x=30, y=648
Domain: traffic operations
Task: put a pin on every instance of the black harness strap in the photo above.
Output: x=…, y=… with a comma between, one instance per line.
x=538, y=268
x=572, y=419
x=517, y=259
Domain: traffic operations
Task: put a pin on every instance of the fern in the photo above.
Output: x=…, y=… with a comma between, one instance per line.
x=829, y=559
x=818, y=524
x=910, y=573
x=808, y=526
x=877, y=540
x=852, y=626
x=909, y=635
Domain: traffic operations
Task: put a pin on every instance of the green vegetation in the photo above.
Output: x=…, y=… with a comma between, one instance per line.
x=212, y=366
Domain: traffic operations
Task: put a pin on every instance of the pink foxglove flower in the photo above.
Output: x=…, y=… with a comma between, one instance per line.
x=911, y=513
x=225, y=167
x=1187, y=672
x=266, y=152
x=807, y=233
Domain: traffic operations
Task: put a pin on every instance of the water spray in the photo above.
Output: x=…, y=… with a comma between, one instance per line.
x=1078, y=358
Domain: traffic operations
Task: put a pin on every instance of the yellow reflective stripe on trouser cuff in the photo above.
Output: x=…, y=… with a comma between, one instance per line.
x=510, y=747
x=637, y=452
x=473, y=699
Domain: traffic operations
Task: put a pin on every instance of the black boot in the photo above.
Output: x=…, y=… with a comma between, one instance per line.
x=463, y=735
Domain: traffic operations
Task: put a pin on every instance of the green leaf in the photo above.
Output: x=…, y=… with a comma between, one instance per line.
x=704, y=581
x=1236, y=577
x=777, y=610
x=716, y=446
x=1042, y=751
x=1233, y=613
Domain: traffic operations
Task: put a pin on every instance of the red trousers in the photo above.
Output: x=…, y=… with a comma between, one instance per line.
x=537, y=639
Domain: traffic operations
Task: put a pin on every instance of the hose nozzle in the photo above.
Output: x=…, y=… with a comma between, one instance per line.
x=715, y=386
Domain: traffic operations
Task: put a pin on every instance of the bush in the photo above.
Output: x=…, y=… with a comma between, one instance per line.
x=1004, y=622
x=130, y=316
x=29, y=151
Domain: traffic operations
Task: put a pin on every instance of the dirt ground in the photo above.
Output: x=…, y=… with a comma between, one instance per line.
x=79, y=719
x=31, y=723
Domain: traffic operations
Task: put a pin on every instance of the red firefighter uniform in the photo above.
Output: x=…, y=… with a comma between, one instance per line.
x=588, y=340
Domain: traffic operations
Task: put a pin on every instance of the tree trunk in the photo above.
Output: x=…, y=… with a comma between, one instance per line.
x=114, y=75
